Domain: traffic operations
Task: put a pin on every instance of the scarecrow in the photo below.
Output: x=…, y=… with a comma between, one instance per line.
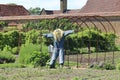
x=58, y=45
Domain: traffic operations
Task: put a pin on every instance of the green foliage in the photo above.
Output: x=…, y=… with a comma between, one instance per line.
x=32, y=36
x=22, y=36
x=2, y=78
x=109, y=66
x=1, y=41
x=29, y=26
x=26, y=51
x=83, y=40
x=9, y=38
x=34, y=11
x=50, y=25
x=87, y=38
x=15, y=50
x=9, y=28
x=12, y=65
x=39, y=58
x=3, y=24
x=30, y=54
x=76, y=78
x=11, y=50
x=7, y=48
x=118, y=66
x=6, y=57
x=86, y=50
x=106, y=66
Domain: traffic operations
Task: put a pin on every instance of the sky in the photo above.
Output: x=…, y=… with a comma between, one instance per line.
x=47, y=4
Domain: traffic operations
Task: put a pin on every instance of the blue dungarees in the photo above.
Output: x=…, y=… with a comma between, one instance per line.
x=58, y=47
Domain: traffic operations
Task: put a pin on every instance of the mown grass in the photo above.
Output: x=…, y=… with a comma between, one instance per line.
x=10, y=72
x=57, y=74
x=12, y=65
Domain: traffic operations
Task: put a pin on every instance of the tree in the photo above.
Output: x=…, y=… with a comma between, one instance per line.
x=34, y=11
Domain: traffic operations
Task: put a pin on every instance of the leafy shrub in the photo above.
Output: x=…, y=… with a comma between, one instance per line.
x=39, y=58
x=102, y=65
x=32, y=36
x=91, y=38
x=109, y=66
x=7, y=48
x=7, y=57
x=10, y=38
x=26, y=51
x=15, y=50
x=11, y=50
x=30, y=54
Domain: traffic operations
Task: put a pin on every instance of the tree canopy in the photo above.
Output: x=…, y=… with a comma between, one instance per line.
x=34, y=11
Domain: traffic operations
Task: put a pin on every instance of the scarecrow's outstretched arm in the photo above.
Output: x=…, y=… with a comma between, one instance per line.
x=48, y=35
x=68, y=32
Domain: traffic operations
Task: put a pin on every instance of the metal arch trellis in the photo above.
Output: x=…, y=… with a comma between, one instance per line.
x=114, y=33
x=84, y=20
x=97, y=38
x=80, y=21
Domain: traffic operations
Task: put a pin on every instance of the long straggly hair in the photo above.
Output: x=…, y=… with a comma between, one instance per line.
x=58, y=34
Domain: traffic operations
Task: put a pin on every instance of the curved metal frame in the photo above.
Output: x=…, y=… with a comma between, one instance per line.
x=84, y=20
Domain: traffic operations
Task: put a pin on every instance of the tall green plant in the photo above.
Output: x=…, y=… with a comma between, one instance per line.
x=26, y=51
x=31, y=53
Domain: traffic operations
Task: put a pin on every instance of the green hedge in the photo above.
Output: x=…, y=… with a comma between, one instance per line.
x=9, y=38
x=91, y=38
x=83, y=39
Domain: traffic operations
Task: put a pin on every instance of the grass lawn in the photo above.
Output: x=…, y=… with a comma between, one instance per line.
x=57, y=74
x=10, y=72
